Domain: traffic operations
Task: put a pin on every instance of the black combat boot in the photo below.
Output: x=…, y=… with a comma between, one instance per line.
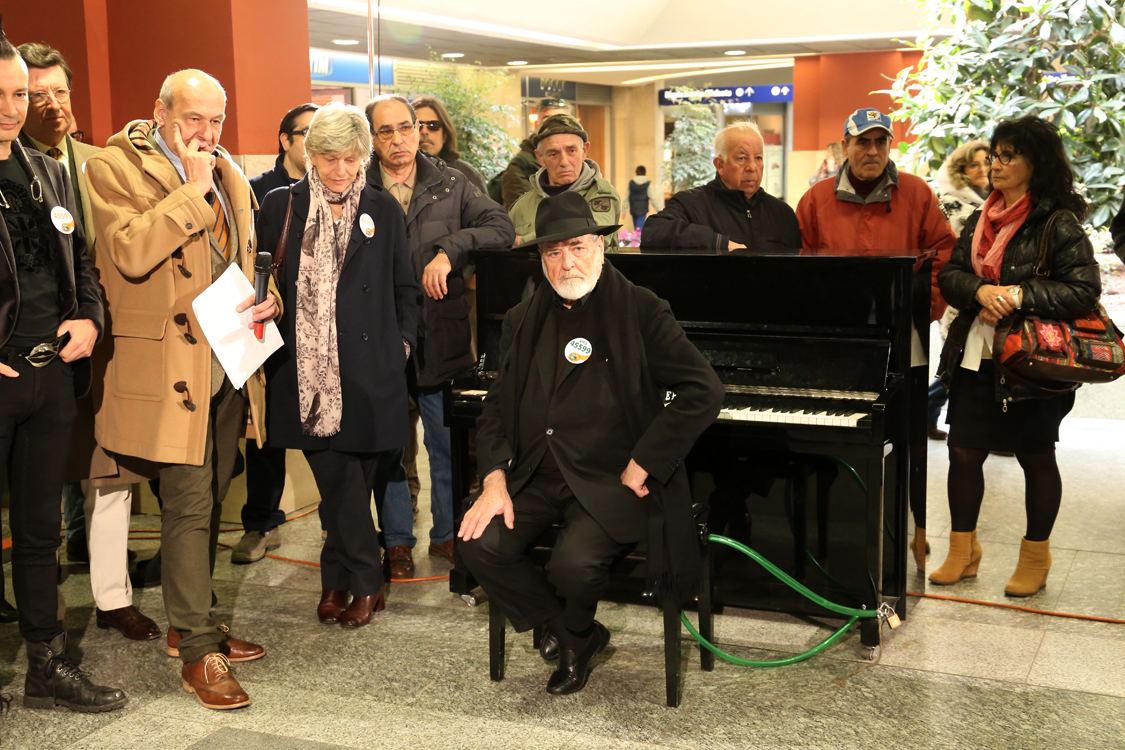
x=54, y=680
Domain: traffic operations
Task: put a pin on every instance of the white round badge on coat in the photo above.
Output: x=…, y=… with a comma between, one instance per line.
x=578, y=351
x=62, y=220
x=366, y=225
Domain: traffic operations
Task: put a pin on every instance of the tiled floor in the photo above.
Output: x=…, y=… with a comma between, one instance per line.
x=955, y=675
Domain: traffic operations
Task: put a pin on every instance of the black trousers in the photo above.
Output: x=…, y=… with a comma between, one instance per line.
x=37, y=412
x=265, y=483
x=578, y=571
x=349, y=560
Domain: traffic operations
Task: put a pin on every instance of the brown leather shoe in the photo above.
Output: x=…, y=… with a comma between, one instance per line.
x=129, y=621
x=210, y=679
x=400, y=562
x=443, y=550
x=240, y=650
x=332, y=603
x=360, y=610
x=933, y=432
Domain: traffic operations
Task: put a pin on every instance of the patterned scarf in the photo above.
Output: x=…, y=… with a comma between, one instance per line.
x=995, y=227
x=323, y=244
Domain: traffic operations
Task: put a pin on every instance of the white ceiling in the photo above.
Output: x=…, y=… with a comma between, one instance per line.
x=554, y=38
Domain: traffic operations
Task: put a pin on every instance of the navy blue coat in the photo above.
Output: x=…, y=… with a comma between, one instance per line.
x=376, y=310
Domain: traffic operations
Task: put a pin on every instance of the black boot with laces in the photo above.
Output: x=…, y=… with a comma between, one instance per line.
x=54, y=680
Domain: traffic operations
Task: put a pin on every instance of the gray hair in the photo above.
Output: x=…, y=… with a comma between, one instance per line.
x=339, y=129
x=167, y=89
x=725, y=137
x=369, y=110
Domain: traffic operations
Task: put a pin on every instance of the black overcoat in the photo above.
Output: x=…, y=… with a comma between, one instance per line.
x=376, y=309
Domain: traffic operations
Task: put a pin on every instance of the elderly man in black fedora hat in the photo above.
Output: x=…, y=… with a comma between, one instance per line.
x=575, y=431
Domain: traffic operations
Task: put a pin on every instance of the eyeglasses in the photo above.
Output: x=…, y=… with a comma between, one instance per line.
x=1004, y=158
x=295, y=133
x=39, y=98
x=387, y=132
x=434, y=126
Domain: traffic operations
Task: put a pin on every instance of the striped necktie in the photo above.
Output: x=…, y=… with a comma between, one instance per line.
x=55, y=153
x=220, y=228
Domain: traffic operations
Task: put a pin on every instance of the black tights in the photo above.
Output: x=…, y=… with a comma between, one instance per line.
x=1042, y=490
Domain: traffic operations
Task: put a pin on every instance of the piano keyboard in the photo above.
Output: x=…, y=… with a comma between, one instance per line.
x=827, y=418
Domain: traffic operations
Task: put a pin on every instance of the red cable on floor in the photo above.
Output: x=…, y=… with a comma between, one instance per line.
x=1016, y=607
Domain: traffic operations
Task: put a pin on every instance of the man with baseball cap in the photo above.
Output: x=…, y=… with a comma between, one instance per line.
x=574, y=431
x=871, y=208
x=562, y=145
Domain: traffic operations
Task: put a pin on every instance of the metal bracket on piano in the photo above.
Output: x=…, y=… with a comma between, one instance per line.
x=484, y=374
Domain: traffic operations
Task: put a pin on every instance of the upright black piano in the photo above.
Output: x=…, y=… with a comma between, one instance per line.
x=808, y=461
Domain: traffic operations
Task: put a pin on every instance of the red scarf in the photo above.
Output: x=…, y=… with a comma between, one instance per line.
x=996, y=226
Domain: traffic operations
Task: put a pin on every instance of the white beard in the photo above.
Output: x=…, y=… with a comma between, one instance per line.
x=576, y=288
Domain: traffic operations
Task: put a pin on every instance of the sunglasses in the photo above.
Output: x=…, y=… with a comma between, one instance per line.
x=434, y=126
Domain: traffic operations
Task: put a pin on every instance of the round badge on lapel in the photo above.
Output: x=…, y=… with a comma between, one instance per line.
x=578, y=351
x=366, y=225
x=62, y=220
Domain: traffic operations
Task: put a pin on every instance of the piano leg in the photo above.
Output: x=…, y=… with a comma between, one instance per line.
x=869, y=631
x=798, y=490
x=706, y=616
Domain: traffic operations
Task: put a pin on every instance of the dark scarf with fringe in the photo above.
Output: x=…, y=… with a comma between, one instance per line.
x=674, y=564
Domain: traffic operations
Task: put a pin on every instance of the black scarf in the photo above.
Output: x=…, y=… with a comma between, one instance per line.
x=673, y=557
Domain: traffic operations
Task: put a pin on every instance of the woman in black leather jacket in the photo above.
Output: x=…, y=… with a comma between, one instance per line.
x=989, y=277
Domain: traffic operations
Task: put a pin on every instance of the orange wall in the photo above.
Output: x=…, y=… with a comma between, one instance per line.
x=120, y=52
x=83, y=40
x=828, y=88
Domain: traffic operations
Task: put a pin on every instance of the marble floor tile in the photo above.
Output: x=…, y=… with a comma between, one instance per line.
x=968, y=649
x=1095, y=585
x=1074, y=662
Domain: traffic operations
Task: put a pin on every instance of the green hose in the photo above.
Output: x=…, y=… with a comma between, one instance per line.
x=854, y=615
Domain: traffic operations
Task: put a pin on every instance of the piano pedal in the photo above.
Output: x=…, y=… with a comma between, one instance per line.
x=473, y=600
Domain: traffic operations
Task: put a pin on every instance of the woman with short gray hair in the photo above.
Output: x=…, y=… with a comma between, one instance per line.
x=338, y=387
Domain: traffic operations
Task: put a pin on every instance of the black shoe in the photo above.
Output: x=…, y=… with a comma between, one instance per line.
x=147, y=573
x=77, y=551
x=574, y=668
x=7, y=612
x=549, y=646
x=54, y=680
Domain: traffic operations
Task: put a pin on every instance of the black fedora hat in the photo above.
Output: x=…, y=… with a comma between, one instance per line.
x=564, y=217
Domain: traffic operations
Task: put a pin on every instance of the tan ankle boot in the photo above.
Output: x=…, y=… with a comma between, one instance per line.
x=1032, y=569
x=919, y=547
x=963, y=559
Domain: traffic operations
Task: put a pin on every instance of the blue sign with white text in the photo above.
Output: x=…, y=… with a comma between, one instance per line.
x=338, y=67
x=776, y=92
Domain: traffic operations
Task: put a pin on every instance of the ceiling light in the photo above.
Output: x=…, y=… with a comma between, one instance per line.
x=517, y=62
x=345, y=42
x=452, y=55
x=735, y=52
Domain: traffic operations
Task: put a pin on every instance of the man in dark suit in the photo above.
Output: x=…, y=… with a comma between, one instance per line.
x=51, y=315
x=575, y=431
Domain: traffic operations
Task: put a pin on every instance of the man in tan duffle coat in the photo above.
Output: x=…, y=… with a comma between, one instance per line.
x=172, y=212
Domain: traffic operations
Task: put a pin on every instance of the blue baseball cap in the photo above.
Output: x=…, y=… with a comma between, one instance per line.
x=863, y=120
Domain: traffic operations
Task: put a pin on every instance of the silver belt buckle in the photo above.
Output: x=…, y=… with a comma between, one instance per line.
x=43, y=354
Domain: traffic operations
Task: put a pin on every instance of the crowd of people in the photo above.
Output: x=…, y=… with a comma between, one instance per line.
x=370, y=217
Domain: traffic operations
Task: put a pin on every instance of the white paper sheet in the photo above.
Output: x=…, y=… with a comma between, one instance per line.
x=233, y=341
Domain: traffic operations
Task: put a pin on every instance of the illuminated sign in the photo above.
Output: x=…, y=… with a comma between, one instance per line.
x=340, y=67
x=778, y=92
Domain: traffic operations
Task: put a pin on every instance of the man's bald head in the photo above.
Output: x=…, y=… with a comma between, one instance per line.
x=188, y=82
x=195, y=104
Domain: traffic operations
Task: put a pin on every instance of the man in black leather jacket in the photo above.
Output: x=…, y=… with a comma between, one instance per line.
x=731, y=212
x=446, y=216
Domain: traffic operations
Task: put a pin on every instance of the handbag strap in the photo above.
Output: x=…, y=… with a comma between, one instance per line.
x=283, y=243
x=1041, y=268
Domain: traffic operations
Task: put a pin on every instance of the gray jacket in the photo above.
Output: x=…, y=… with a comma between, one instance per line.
x=448, y=214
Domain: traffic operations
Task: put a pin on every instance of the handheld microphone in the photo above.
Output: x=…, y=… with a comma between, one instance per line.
x=262, y=266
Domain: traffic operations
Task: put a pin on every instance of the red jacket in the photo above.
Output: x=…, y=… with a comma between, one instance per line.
x=902, y=213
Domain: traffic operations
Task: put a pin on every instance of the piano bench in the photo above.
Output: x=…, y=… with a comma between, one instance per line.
x=630, y=569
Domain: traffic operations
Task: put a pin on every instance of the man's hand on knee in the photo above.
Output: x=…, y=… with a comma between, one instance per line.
x=493, y=501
